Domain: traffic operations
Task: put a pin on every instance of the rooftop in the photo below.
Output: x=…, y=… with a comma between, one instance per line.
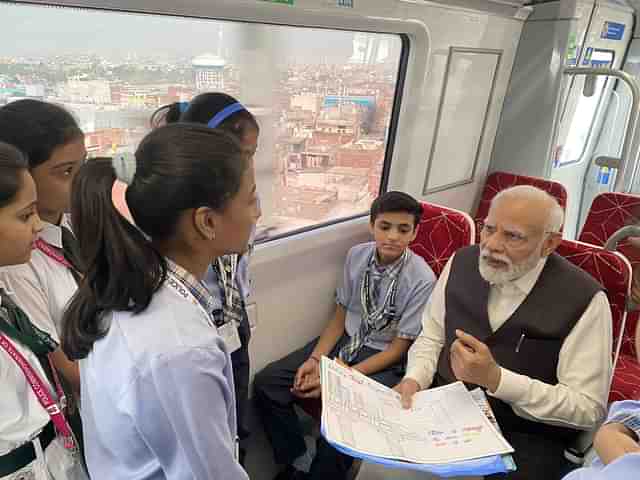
x=208, y=60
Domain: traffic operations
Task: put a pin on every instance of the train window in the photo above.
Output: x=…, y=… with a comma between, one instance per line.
x=467, y=91
x=580, y=113
x=325, y=99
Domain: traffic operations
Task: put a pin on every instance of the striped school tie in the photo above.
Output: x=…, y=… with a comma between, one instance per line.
x=235, y=311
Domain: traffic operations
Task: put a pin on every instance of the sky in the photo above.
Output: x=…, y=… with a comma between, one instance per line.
x=43, y=31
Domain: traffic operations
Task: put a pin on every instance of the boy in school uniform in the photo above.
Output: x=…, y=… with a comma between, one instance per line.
x=378, y=315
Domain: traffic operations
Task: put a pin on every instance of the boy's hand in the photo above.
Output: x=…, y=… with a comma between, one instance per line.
x=341, y=363
x=307, y=378
x=312, y=389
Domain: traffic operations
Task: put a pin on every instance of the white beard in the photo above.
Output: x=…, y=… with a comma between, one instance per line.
x=500, y=276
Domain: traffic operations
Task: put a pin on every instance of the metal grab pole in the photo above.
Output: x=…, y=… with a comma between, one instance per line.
x=628, y=139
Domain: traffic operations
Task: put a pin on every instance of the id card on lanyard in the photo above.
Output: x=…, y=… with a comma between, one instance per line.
x=42, y=393
x=229, y=330
x=229, y=333
x=230, y=336
x=228, y=281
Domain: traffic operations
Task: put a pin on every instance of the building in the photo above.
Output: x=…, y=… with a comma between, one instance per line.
x=299, y=122
x=179, y=93
x=289, y=150
x=308, y=202
x=306, y=101
x=96, y=92
x=26, y=90
x=105, y=142
x=365, y=101
x=351, y=184
x=364, y=153
x=208, y=71
x=318, y=156
x=134, y=96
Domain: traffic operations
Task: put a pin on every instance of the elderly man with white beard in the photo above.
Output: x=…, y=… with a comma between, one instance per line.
x=526, y=325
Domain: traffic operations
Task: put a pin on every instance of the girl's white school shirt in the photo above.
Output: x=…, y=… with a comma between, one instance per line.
x=22, y=417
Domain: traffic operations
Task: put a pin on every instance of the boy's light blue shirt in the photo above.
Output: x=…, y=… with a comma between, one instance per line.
x=415, y=284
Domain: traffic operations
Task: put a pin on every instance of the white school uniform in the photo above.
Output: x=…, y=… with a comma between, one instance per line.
x=22, y=418
x=157, y=395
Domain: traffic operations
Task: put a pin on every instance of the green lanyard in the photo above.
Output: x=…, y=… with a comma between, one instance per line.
x=38, y=341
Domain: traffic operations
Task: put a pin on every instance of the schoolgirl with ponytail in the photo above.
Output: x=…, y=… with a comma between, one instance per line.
x=230, y=274
x=157, y=388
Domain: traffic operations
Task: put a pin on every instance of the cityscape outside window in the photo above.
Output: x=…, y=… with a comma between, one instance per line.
x=323, y=98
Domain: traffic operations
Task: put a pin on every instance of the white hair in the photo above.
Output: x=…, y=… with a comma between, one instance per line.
x=555, y=218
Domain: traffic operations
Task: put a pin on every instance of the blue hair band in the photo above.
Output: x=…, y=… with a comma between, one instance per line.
x=225, y=113
x=183, y=106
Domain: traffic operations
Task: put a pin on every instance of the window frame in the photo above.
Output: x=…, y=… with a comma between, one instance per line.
x=285, y=16
x=498, y=53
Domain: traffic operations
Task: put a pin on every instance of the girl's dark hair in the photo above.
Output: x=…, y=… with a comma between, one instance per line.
x=37, y=128
x=178, y=167
x=12, y=163
x=202, y=109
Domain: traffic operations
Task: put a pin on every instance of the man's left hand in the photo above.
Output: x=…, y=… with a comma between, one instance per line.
x=472, y=362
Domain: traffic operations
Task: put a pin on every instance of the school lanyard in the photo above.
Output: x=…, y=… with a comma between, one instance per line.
x=365, y=296
x=42, y=392
x=228, y=281
x=180, y=289
x=39, y=342
x=53, y=253
x=378, y=311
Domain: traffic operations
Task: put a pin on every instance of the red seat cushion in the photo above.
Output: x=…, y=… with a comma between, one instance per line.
x=498, y=181
x=614, y=274
x=608, y=268
x=442, y=232
x=609, y=212
x=628, y=340
x=626, y=380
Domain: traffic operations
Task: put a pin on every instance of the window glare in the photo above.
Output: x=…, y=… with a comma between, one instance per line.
x=580, y=114
x=323, y=98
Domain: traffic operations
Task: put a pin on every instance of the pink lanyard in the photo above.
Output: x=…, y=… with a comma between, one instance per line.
x=53, y=253
x=42, y=392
